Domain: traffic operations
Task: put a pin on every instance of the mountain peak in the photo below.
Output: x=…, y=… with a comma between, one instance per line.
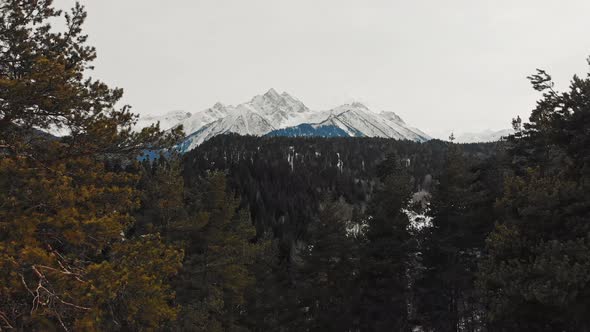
x=179, y=113
x=273, y=111
x=272, y=93
x=352, y=107
x=358, y=105
x=392, y=116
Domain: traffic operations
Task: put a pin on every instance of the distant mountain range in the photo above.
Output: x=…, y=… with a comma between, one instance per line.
x=484, y=136
x=275, y=114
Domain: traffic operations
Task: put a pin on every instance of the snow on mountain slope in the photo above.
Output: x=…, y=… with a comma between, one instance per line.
x=272, y=111
x=241, y=121
x=200, y=119
x=281, y=110
x=262, y=114
x=484, y=136
x=392, y=117
x=357, y=120
x=167, y=120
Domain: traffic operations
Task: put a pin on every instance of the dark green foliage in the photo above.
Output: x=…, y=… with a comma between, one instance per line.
x=66, y=204
x=163, y=197
x=285, y=198
x=273, y=302
x=330, y=272
x=220, y=246
x=387, y=252
x=536, y=274
x=462, y=216
x=345, y=283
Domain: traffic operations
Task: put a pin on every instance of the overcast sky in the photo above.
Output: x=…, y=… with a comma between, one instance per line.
x=441, y=65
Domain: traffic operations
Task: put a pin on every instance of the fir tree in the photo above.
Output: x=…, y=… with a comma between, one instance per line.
x=330, y=294
x=386, y=254
x=461, y=218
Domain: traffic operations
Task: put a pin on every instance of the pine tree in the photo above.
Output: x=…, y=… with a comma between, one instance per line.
x=65, y=205
x=536, y=276
x=221, y=247
x=163, y=197
x=387, y=253
x=273, y=301
x=461, y=217
x=330, y=273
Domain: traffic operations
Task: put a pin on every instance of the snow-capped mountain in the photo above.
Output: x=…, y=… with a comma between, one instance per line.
x=200, y=119
x=279, y=110
x=357, y=120
x=240, y=121
x=167, y=121
x=283, y=115
x=484, y=136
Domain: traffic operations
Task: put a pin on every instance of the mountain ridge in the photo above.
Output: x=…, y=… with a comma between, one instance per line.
x=280, y=114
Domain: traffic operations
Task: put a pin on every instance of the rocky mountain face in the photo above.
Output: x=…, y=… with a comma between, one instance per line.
x=167, y=121
x=281, y=114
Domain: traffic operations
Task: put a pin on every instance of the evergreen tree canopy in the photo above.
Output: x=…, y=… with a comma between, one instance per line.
x=386, y=255
x=537, y=272
x=67, y=202
x=220, y=250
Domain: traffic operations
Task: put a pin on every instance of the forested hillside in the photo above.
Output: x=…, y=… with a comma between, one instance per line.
x=359, y=199
x=283, y=180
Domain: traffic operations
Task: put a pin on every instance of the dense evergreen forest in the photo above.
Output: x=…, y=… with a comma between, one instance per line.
x=283, y=181
x=274, y=233
x=344, y=212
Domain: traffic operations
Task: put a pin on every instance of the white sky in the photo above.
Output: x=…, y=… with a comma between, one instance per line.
x=441, y=65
